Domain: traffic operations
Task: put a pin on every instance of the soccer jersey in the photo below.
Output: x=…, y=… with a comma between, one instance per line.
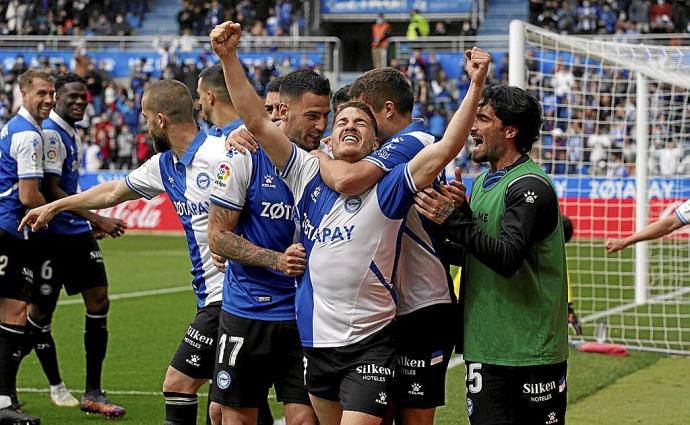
x=683, y=212
x=61, y=158
x=248, y=183
x=187, y=181
x=422, y=279
x=21, y=157
x=224, y=131
x=346, y=293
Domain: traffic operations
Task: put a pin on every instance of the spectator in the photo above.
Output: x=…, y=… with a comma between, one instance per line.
x=125, y=148
x=418, y=26
x=587, y=17
x=440, y=29
x=121, y=27
x=660, y=17
x=639, y=14
x=214, y=16
x=670, y=158
x=186, y=41
x=93, y=158
x=102, y=26
x=467, y=29
x=380, y=32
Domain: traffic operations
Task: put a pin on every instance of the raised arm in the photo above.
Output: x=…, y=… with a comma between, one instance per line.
x=348, y=178
x=653, y=231
x=104, y=195
x=426, y=165
x=224, y=40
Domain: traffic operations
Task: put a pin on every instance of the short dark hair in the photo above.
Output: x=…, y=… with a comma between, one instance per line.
x=26, y=80
x=361, y=106
x=302, y=81
x=274, y=85
x=380, y=85
x=340, y=96
x=567, y=228
x=63, y=79
x=516, y=107
x=171, y=98
x=214, y=79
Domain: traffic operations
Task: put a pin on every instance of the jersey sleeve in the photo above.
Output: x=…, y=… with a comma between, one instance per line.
x=231, y=180
x=54, y=152
x=299, y=170
x=683, y=212
x=398, y=150
x=27, y=150
x=395, y=192
x=146, y=180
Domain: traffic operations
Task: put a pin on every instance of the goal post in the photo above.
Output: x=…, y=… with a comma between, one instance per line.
x=616, y=142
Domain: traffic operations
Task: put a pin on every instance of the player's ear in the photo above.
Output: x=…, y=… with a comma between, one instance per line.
x=389, y=108
x=510, y=131
x=283, y=111
x=211, y=97
x=162, y=120
x=375, y=144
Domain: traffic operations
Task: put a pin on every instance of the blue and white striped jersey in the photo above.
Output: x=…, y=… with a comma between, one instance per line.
x=352, y=243
x=61, y=158
x=249, y=183
x=683, y=212
x=188, y=183
x=422, y=279
x=21, y=157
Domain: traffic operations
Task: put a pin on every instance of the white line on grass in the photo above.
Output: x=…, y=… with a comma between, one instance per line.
x=137, y=294
x=622, y=308
x=112, y=392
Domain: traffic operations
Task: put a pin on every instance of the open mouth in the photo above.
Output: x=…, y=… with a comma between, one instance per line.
x=350, y=138
x=477, y=141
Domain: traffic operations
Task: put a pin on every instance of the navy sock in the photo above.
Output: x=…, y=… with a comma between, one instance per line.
x=180, y=408
x=42, y=339
x=95, y=344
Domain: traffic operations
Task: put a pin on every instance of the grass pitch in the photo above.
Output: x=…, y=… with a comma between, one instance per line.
x=145, y=329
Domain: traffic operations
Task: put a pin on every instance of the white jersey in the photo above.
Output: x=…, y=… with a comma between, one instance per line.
x=422, y=278
x=188, y=183
x=683, y=212
x=352, y=244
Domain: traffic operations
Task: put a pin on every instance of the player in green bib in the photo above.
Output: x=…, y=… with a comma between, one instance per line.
x=515, y=293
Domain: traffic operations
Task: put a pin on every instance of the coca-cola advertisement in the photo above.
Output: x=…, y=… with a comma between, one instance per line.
x=156, y=215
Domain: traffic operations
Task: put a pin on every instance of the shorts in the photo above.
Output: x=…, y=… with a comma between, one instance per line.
x=535, y=395
x=252, y=356
x=73, y=261
x=16, y=273
x=195, y=356
x=425, y=343
x=359, y=376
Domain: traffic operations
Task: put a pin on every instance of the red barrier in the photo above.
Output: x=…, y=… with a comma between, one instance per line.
x=614, y=218
x=157, y=215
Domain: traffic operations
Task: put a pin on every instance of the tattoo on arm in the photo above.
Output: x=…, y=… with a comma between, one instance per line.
x=236, y=248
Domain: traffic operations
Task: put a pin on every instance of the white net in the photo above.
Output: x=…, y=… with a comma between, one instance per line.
x=589, y=147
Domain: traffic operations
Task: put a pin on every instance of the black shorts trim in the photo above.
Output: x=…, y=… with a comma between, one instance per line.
x=424, y=346
x=195, y=356
x=74, y=261
x=17, y=277
x=252, y=356
x=359, y=376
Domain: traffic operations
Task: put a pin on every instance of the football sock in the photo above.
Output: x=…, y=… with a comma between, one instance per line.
x=180, y=408
x=44, y=344
x=95, y=344
x=11, y=339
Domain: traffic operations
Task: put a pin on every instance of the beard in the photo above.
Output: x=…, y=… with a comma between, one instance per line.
x=161, y=142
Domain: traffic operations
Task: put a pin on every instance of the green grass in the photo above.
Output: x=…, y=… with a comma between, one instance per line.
x=144, y=333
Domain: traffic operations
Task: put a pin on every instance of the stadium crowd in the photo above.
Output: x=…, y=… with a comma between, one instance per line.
x=258, y=18
x=73, y=17
x=610, y=16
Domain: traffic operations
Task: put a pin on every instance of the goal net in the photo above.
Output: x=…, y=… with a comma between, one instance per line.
x=616, y=141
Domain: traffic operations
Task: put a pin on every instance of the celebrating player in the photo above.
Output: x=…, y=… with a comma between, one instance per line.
x=182, y=168
x=69, y=255
x=344, y=310
x=21, y=168
x=515, y=277
x=258, y=314
x=659, y=228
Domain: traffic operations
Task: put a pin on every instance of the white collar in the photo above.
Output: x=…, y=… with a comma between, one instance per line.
x=62, y=123
x=27, y=116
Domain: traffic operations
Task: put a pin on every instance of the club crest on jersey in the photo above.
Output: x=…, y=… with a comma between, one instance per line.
x=315, y=194
x=222, y=175
x=203, y=180
x=353, y=204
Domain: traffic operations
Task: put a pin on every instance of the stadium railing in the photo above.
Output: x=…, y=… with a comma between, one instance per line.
x=323, y=51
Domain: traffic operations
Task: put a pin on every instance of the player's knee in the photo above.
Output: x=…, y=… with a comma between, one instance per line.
x=97, y=303
x=40, y=314
x=300, y=414
x=178, y=382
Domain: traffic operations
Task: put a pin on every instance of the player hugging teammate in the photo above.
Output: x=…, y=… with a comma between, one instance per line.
x=337, y=287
